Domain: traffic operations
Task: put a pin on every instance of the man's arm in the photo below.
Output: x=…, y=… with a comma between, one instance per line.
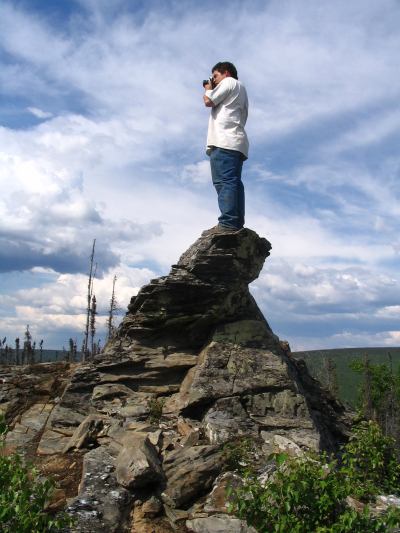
x=214, y=97
x=207, y=101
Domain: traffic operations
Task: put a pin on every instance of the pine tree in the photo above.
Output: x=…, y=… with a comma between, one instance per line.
x=27, y=350
x=331, y=373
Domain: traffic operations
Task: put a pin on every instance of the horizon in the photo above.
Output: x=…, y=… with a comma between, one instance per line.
x=103, y=131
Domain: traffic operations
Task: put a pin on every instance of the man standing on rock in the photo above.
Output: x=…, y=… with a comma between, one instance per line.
x=227, y=143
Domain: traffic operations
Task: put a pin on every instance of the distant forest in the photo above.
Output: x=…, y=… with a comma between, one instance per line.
x=334, y=365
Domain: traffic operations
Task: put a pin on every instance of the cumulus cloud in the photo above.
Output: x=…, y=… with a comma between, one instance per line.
x=118, y=153
x=56, y=310
x=197, y=172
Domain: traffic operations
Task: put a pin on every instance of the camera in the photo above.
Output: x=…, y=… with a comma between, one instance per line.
x=210, y=80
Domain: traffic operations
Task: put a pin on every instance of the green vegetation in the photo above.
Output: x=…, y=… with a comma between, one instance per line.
x=348, y=382
x=308, y=494
x=156, y=406
x=237, y=454
x=379, y=394
x=23, y=496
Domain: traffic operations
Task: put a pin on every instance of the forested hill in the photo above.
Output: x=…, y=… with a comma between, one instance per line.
x=348, y=381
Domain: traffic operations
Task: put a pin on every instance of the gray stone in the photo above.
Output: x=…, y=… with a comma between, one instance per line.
x=137, y=464
x=86, y=433
x=52, y=442
x=64, y=420
x=226, y=369
x=226, y=420
x=190, y=472
x=221, y=523
x=101, y=505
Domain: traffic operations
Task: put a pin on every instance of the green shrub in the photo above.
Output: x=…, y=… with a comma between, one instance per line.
x=308, y=494
x=23, y=496
x=156, y=406
x=369, y=462
x=237, y=454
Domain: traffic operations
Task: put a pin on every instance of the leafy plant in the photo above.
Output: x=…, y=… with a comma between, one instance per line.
x=23, y=496
x=156, y=406
x=308, y=494
x=237, y=455
x=369, y=461
x=379, y=393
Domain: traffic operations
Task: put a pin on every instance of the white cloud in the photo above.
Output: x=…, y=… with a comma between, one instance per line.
x=57, y=308
x=39, y=113
x=120, y=159
x=198, y=173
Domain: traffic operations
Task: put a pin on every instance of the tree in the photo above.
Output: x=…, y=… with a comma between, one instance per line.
x=379, y=394
x=33, y=352
x=41, y=350
x=72, y=350
x=92, y=273
x=17, y=348
x=330, y=374
x=27, y=349
x=93, y=313
x=112, y=312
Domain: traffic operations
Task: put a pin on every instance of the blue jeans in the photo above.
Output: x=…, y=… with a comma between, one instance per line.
x=226, y=171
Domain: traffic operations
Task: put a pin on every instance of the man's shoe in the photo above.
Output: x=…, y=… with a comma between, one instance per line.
x=225, y=229
x=210, y=231
x=218, y=229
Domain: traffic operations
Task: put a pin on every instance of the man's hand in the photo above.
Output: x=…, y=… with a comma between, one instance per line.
x=208, y=86
x=208, y=102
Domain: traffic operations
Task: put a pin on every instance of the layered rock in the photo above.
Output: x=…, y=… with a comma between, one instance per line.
x=193, y=366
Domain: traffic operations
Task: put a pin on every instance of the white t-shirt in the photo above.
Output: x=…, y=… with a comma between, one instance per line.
x=228, y=117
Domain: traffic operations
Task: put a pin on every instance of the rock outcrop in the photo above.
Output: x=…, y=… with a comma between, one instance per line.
x=193, y=366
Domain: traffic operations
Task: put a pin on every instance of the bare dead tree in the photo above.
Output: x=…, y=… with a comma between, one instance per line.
x=112, y=312
x=85, y=346
x=41, y=350
x=8, y=355
x=93, y=313
x=33, y=352
x=17, y=348
x=71, y=349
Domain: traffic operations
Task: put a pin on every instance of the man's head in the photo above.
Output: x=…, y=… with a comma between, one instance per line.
x=222, y=70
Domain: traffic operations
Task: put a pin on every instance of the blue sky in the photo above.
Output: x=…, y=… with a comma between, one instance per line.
x=102, y=133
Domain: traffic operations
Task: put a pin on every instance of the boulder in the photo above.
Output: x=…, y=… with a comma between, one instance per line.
x=102, y=504
x=137, y=464
x=221, y=523
x=190, y=473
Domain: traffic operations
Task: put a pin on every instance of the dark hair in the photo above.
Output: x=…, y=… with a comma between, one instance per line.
x=223, y=66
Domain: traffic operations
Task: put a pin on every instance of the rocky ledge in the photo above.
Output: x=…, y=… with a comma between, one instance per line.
x=193, y=366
